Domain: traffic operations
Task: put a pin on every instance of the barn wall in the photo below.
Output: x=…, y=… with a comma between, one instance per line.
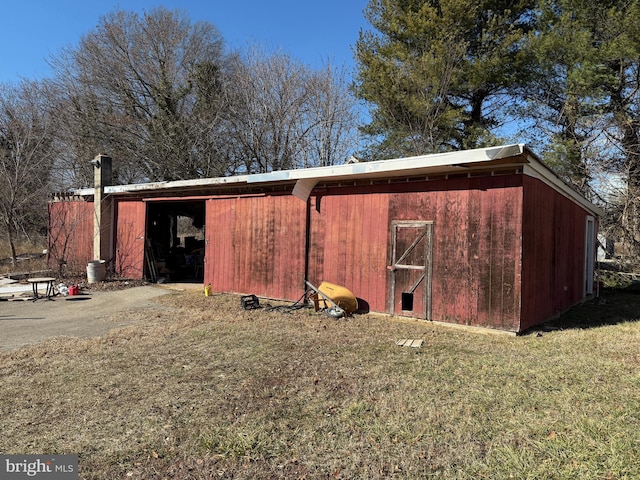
x=553, y=253
x=256, y=245
x=507, y=250
x=476, y=244
x=70, y=234
x=477, y=261
x=130, y=220
x=348, y=242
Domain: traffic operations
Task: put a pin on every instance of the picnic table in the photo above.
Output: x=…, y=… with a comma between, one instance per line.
x=48, y=281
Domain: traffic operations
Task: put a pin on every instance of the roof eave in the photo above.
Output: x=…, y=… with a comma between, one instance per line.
x=423, y=164
x=427, y=165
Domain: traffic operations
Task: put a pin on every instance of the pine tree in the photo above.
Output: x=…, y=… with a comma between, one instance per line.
x=438, y=73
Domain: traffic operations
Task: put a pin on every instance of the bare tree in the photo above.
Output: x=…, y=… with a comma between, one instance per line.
x=131, y=89
x=284, y=115
x=268, y=102
x=333, y=136
x=27, y=150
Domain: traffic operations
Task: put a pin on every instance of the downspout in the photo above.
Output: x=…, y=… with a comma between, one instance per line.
x=302, y=190
x=307, y=242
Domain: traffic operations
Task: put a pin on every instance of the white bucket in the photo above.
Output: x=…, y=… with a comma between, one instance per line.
x=96, y=271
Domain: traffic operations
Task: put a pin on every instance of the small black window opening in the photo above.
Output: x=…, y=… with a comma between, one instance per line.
x=407, y=301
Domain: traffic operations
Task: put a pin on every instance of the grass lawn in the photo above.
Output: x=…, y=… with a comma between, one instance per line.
x=205, y=389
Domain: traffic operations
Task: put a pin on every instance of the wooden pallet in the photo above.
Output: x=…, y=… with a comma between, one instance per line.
x=409, y=342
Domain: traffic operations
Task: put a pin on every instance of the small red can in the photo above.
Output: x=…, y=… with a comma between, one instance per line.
x=74, y=290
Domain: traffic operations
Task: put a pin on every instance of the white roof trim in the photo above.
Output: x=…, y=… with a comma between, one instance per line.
x=433, y=164
x=138, y=187
x=382, y=168
x=543, y=173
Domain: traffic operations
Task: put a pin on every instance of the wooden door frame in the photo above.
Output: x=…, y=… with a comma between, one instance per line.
x=427, y=268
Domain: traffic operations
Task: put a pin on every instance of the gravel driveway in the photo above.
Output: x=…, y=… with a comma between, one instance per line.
x=87, y=315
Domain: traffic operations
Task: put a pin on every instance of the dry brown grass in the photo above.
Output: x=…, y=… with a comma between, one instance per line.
x=30, y=256
x=207, y=390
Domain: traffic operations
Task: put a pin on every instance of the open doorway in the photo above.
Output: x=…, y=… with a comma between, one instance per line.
x=175, y=240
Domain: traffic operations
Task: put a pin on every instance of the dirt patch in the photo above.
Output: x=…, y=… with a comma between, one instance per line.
x=108, y=285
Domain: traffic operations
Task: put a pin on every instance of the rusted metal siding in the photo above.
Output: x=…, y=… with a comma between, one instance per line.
x=256, y=245
x=70, y=234
x=477, y=229
x=553, y=253
x=130, y=238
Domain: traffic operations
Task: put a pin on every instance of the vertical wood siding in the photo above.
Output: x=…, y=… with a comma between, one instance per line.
x=553, y=253
x=349, y=239
x=130, y=238
x=256, y=244
x=477, y=229
x=70, y=234
x=507, y=250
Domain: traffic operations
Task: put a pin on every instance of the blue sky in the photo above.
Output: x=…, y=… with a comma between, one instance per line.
x=31, y=31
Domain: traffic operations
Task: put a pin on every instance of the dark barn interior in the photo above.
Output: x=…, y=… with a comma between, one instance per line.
x=175, y=240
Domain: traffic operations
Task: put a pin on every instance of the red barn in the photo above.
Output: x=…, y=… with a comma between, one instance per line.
x=487, y=237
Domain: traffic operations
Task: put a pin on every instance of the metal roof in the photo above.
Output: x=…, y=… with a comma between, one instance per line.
x=427, y=165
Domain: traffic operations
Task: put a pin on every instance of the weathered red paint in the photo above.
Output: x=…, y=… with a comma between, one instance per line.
x=349, y=236
x=507, y=250
x=130, y=238
x=70, y=234
x=477, y=228
x=256, y=244
x=553, y=253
